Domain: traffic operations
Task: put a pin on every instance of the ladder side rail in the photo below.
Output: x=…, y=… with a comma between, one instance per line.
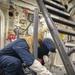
x=60, y=45
x=71, y=51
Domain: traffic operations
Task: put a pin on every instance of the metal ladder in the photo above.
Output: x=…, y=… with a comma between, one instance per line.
x=48, y=7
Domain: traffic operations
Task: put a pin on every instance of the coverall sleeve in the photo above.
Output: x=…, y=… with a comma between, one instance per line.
x=22, y=49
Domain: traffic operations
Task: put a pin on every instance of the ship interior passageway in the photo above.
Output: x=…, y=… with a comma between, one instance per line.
x=34, y=21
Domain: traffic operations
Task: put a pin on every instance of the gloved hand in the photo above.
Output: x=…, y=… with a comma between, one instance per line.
x=39, y=68
x=47, y=62
x=51, y=56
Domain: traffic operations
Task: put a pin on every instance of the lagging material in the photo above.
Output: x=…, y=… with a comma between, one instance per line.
x=11, y=65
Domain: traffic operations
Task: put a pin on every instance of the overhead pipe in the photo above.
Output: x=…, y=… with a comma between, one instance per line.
x=33, y=2
x=22, y=4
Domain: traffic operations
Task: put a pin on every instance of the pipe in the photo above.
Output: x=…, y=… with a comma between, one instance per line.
x=16, y=31
x=2, y=29
x=33, y=2
x=35, y=45
x=22, y=4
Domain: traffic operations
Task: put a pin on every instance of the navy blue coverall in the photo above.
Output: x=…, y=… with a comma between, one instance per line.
x=14, y=54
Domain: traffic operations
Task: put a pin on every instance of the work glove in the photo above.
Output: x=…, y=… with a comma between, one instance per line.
x=39, y=68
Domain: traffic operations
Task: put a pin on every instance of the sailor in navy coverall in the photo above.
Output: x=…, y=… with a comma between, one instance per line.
x=17, y=52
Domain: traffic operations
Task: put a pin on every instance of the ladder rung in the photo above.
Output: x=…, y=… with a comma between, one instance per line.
x=54, y=4
x=69, y=44
x=63, y=21
x=71, y=51
x=66, y=32
x=57, y=12
x=57, y=1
